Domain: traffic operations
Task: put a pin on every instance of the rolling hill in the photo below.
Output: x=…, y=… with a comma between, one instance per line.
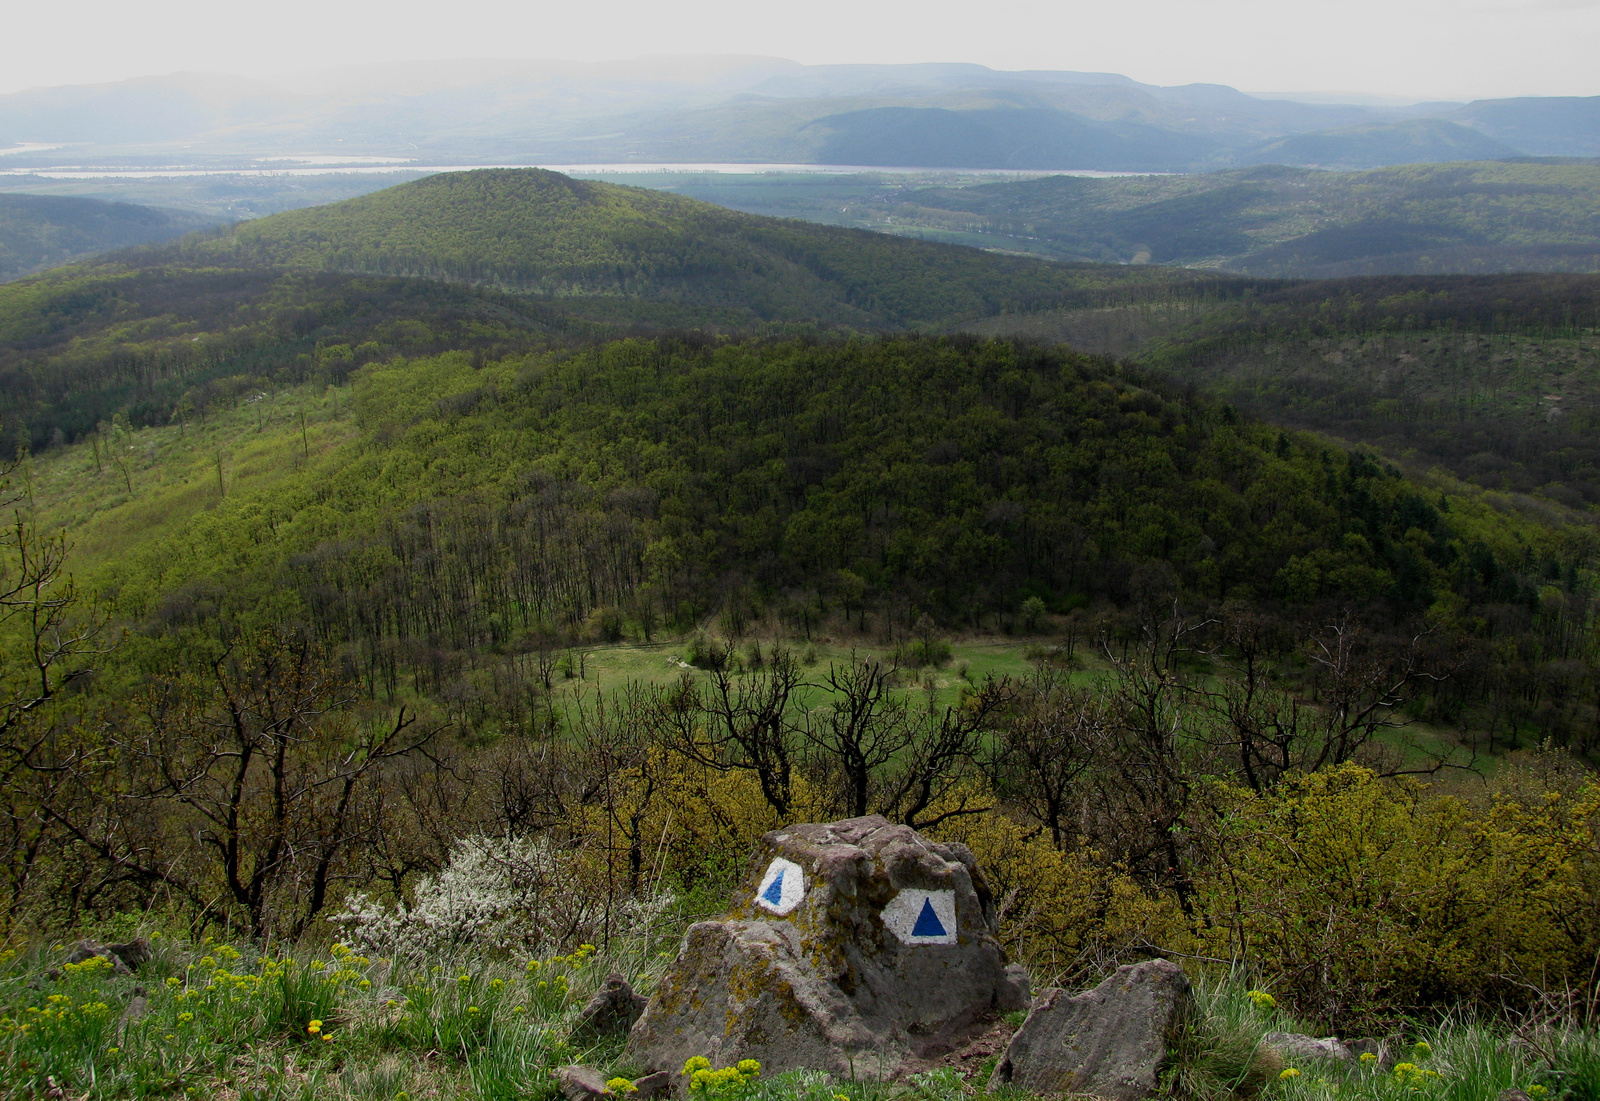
x=585, y=244
x=38, y=231
x=492, y=262
x=1266, y=221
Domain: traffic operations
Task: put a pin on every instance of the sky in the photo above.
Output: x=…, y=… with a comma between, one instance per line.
x=1421, y=49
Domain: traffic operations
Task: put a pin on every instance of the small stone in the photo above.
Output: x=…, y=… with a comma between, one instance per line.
x=658, y=1084
x=1381, y=1050
x=1514, y=1094
x=138, y=1005
x=135, y=953
x=580, y=1082
x=611, y=1011
x=88, y=950
x=1109, y=1042
x=1293, y=1046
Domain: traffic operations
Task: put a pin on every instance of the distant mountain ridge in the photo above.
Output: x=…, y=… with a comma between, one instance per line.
x=755, y=109
x=1269, y=221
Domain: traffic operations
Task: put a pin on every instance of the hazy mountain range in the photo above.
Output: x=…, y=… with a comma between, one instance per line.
x=755, y=109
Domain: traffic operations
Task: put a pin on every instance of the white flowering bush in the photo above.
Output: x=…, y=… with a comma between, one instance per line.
x=501, y=894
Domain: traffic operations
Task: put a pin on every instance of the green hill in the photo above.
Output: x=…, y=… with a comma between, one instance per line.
x=41, y=231
x=537, y=232
x=491, y=262
x=1272, y=221
x=1415, y=142
x=666, y=480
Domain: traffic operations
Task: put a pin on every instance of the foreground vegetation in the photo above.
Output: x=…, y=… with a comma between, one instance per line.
x=337, y=1025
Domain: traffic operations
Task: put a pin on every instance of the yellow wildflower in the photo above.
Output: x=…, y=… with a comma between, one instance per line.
x=1287, y=1073
x=314, y=1027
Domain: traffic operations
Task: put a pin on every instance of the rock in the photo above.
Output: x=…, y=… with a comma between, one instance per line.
x=1514, y=1094
x=580, y=1082
x=857, y=948
x=611, y=1011
x=122, y=957
x=658, y=1084
x=1381, y=1050
x=1293, y=1046
x=138, y=1005
x=135, y=953
x=1109, y=1042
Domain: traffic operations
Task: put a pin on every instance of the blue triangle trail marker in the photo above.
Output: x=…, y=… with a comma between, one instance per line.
x=782, y=887
x=928, y=923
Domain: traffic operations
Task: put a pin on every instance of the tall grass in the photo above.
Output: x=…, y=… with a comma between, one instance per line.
x=334, y=1024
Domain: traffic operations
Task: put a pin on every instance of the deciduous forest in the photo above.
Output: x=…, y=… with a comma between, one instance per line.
x=473, y=571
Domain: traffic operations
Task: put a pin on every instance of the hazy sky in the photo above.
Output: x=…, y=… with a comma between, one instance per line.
x=1422, y=48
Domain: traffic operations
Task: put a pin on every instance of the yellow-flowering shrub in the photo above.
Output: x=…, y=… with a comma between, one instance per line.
x=1065, y=914
x=1351, y=893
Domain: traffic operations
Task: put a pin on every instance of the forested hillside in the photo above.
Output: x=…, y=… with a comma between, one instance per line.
x=543, y=233
x=1267, y=221
x=559, y=539
x=490, y=261
x=38, y=231
x=1492, y=378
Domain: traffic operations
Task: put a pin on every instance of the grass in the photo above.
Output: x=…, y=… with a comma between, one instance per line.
x=335, y=1024
x=221, y=1022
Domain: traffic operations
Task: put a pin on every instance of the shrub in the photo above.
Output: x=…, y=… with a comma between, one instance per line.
x=498, y=893
x=1365, y=899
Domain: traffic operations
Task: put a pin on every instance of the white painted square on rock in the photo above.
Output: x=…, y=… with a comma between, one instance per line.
x=782, y=887
x=917, y=916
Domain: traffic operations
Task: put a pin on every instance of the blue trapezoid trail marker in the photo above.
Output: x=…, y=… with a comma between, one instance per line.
x=928, y=923
x=782, y=887
x=922, y=917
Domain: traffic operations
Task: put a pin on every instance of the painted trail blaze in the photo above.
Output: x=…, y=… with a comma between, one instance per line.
x=922, y=917
x=782, y=887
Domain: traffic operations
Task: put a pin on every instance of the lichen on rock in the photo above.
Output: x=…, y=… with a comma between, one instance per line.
x=883, y=953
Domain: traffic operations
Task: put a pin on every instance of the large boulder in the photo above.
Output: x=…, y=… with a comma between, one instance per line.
x=855, y=947
x=1109, y=1042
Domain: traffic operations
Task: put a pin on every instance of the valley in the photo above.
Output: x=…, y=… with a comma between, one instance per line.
x=439, y=593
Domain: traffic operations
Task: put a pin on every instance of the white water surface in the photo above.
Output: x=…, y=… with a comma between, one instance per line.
x=323, y=167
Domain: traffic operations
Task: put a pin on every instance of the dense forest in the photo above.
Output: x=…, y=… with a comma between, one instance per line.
x=490, y=261
x=43, y=231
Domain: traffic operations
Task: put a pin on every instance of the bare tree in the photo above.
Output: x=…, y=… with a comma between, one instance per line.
x=1053, y=734
x=269, y=773
x=740, y=723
